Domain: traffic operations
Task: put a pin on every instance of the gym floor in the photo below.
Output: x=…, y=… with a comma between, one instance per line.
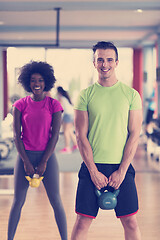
x=37, y=220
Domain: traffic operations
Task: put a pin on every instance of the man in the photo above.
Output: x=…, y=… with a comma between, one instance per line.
x=108, y=120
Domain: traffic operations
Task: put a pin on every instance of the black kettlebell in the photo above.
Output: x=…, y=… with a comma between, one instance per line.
x=107, y=200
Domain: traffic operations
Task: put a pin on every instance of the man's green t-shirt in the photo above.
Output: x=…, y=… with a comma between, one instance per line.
x=108, y=111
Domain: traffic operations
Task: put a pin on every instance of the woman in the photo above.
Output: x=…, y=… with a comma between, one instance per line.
x=67, y=121
x=39, y=117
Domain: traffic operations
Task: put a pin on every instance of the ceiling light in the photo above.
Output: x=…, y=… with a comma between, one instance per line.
x=139, y=10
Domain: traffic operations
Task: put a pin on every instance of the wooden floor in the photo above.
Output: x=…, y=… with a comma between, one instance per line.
x=37, y=220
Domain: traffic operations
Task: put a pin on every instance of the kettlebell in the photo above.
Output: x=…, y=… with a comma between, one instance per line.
x=107, y=200
x=34, y=181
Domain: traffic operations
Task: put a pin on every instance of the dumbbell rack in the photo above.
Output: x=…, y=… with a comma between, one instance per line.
x=153, y=143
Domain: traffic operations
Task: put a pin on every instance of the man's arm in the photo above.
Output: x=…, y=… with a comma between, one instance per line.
x=134, y=128
x=81, y=129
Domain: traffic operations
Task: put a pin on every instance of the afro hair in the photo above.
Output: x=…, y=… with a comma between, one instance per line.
x=43, y=68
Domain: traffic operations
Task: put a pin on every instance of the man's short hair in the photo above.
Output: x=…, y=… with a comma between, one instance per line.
x=105, y=45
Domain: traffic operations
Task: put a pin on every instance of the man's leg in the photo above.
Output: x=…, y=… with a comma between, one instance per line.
x=131, y=228
x=81, y=227
x=86, y=205
x=127, y=206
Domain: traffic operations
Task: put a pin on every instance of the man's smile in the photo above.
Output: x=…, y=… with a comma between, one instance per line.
x=105, y=70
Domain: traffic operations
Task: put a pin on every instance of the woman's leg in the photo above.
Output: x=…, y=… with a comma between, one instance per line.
x=20, y=190
x=51, y=183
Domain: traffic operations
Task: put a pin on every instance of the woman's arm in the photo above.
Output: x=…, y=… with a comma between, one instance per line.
x=81, y=129
x=18, y=141
x=56, y=124
x=134, y=128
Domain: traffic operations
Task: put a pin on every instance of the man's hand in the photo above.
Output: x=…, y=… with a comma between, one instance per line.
x=99, y=179
x=116, y=179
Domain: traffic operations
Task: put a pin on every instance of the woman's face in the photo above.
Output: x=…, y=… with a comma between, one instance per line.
x=37, y=84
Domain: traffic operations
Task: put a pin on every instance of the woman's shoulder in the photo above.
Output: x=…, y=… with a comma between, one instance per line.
x=21, y=103
x=51, y=100
x=54, y=104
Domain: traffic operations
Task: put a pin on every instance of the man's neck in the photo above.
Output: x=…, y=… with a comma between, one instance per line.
x=109, y=82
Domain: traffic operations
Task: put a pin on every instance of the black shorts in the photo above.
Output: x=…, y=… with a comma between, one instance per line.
x=86, y=199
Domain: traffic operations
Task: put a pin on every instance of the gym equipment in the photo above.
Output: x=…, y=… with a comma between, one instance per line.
x=34, y=181
x=4, y=150
x=107, y=200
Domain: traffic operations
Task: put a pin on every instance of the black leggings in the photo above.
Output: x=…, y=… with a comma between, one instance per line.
x=51, y=184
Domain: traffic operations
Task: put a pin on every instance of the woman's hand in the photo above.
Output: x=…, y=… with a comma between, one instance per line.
x=29, y=169
x=41, y=168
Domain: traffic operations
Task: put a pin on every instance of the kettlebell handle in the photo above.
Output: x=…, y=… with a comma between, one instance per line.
x=116, y=192
x=99, y=193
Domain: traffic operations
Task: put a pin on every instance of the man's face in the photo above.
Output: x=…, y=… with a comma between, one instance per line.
x=105, y=62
